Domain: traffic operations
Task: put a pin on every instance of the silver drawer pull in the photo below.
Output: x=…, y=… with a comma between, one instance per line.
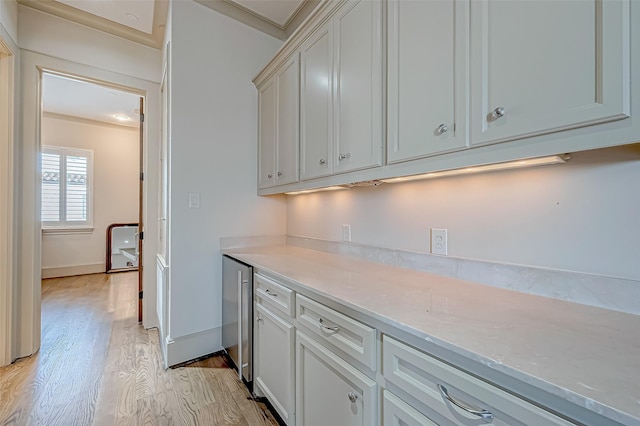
x=321, y=321
x=270, y=293
x=484, y=414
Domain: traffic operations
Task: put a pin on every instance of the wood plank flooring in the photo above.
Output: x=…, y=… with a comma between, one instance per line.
x=98, y=366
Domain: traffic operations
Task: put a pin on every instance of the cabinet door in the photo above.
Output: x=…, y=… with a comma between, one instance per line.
x=316, y=82
x=540, y=67
x=273, y=357
x=267, y=134
x=287, y=136
x=426, y=78
x=398, y=413
x=329, y=390
x=358, y=91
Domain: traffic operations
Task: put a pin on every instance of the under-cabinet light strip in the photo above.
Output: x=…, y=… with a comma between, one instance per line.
x=529, y=162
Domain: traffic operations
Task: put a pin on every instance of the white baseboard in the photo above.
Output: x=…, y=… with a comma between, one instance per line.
x=69, y=271
x=192, y=346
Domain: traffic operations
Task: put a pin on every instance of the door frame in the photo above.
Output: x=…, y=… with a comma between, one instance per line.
x=7, y=280
x=28, y=314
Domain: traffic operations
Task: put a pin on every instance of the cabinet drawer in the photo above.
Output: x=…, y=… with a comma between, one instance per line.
x=396, y=412
x=428, y=380
x=275, y=295
x=346, y=334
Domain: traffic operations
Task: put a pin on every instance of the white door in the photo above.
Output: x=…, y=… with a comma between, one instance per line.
x=540, y=67
x=267, y=134
x=316, y=104
x=329, y=390
x=273, y=359
x=287, y=135
x=426, y=78
x=358, y=91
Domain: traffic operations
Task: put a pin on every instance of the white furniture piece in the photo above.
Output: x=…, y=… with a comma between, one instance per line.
x=329, y=390
x=341, y=92
x=427, y=89
x=543, y=67
x=449, y=396
x=274, y=346
x=467, y=83
x=278, y=126
x=338, y=372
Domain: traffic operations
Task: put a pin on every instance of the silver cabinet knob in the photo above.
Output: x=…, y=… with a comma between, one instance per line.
x=352, y=397
x=497, y=113
x=344, y=156
x=269, y=176
x=322, y=162
x=442, y=129
x=279, y=173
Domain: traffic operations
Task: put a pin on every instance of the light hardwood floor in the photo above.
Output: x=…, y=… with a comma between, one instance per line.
x=98, y=366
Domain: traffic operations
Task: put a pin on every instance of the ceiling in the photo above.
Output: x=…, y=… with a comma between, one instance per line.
x=69, y=97
x=143, y=21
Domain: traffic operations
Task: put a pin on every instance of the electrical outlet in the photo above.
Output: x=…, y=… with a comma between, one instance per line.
x=439, y=241
x=346, y=233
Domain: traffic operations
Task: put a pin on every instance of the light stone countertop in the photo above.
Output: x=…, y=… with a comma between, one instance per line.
x=586, y=355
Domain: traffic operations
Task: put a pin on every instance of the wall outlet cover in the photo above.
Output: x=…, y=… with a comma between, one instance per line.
x=439, y=241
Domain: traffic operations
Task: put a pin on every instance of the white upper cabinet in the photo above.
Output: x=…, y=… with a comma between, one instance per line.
x=316, y=104
x=540, y=67
x=426, y=79
x=358, y=88
x=278, y=128
x=267, y=134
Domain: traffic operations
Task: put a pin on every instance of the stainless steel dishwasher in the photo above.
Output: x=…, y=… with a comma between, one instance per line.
x=237, y=316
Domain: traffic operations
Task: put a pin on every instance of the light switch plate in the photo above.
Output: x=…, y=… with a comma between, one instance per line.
x=346, y=233
x=194, y=200
x=439, y=241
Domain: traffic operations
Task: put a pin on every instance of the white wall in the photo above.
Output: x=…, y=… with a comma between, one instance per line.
x=583, y=216
x=9, y=18
x=213, y=153
x=44, y=33
x=116, y=153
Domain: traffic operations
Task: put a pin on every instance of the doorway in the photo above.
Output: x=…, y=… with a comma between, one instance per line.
x=91, y=147
x=27, y=306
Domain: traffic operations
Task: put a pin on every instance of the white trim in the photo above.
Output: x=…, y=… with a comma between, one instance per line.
x=29, y=268
x=192, y=346
x=67, y=231
x=7, y=85
x=69, y=271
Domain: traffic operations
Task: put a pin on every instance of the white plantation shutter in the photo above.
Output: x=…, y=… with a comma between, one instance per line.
x=66, y=187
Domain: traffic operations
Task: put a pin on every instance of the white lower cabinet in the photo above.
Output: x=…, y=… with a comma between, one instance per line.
x=329, y=390
x=452, y=397
x=396, y=412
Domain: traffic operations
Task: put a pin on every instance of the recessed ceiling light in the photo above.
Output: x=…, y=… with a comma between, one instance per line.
x=121, y=117
x=132, y=17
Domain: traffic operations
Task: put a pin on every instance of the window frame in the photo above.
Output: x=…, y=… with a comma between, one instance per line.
x=64, y=226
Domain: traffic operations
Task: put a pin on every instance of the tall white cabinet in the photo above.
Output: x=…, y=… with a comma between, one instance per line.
x=541, y=67
x=358, y=91
x=278, y=126
x=316, y=104
x=341, y=92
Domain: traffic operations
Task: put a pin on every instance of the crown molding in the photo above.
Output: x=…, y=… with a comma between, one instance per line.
x=64, y=11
